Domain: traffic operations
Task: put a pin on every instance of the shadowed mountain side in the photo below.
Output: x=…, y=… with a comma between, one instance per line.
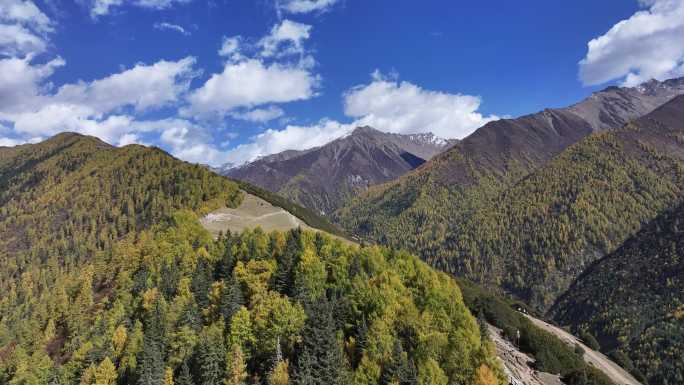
x=325, y=177
x=632, y=301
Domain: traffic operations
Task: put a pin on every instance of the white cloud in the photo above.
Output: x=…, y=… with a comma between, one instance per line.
x=260, y=115
x=171, y=27
x=304, y=6
x=186, y=140
x=405, y=108
x=9, y=142
x=25, y=13
x=385, y=104
x=267, y=77
x=646, y=45
x=290, y=138
x=230, y=47
x=251, y=83
x=16, y=40
x=23, y=28
x=95, y=108
x=22, y=84
x=143, y=87
x=55, y=118
x=103, y=7
x=285, y=39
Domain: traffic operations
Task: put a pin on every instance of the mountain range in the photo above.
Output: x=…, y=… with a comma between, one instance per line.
x=324, y=178
x=528, y=206
x=575, y=212
x=109, y=277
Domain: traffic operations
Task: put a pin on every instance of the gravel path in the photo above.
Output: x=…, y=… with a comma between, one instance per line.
x=618, y=375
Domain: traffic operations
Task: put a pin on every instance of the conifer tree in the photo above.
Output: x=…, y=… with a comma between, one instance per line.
x=399, y=370
x=211, y=356
x=184, y=377
x=201, y=283
x=284, y=275
x=321, y=360
x=152, y=368
x=231, y=300
x=482, y=324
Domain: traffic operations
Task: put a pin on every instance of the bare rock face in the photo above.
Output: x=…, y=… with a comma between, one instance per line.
x=614, y=106
x=323, y=178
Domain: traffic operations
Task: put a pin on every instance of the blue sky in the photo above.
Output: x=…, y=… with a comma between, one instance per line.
x=228, y=81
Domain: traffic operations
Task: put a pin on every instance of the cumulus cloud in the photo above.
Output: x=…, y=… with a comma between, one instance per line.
x=260, y=115
x=23, y=28
x=17, y=40
x=25, y=13
x=304, y=6
x=291, y=137
x=230, y=48
x=106, y=108
x=251, y=83
x=22, y=83
x=385, y=104
x=405, y=108
x=143, y=87
x=647, y=45
x=171, y=27
x=286, y=38
x=258, y=74
x=104, y=7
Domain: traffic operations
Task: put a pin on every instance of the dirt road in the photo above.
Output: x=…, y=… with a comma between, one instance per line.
x=618, y=375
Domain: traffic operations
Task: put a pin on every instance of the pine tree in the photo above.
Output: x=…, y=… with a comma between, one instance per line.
x=482, y=323
x=361, y=341
x=226, y=263
x=211, y=356
x=399, y=370
x=284, y=275
x=321, y=360
x=201, y=283
x=231, y=300
x=184, y=377
x=151, y=369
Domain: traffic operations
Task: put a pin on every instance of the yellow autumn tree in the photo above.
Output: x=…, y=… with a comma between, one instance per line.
x=485, y=376
x=237, y=368
x=105, y=374
x=279, y=375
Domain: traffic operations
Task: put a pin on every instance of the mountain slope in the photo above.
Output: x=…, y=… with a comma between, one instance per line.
x=76, y=194
x=108, y=277
x=632, y=301
x=532, y=234
x=325, y=177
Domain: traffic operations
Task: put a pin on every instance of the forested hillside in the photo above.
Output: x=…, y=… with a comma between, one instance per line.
x=533, y=237
x=108, y=278
x=74, y=195
x=632, y=301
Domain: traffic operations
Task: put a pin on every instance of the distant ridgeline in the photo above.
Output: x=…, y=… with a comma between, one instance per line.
x=108, y=278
